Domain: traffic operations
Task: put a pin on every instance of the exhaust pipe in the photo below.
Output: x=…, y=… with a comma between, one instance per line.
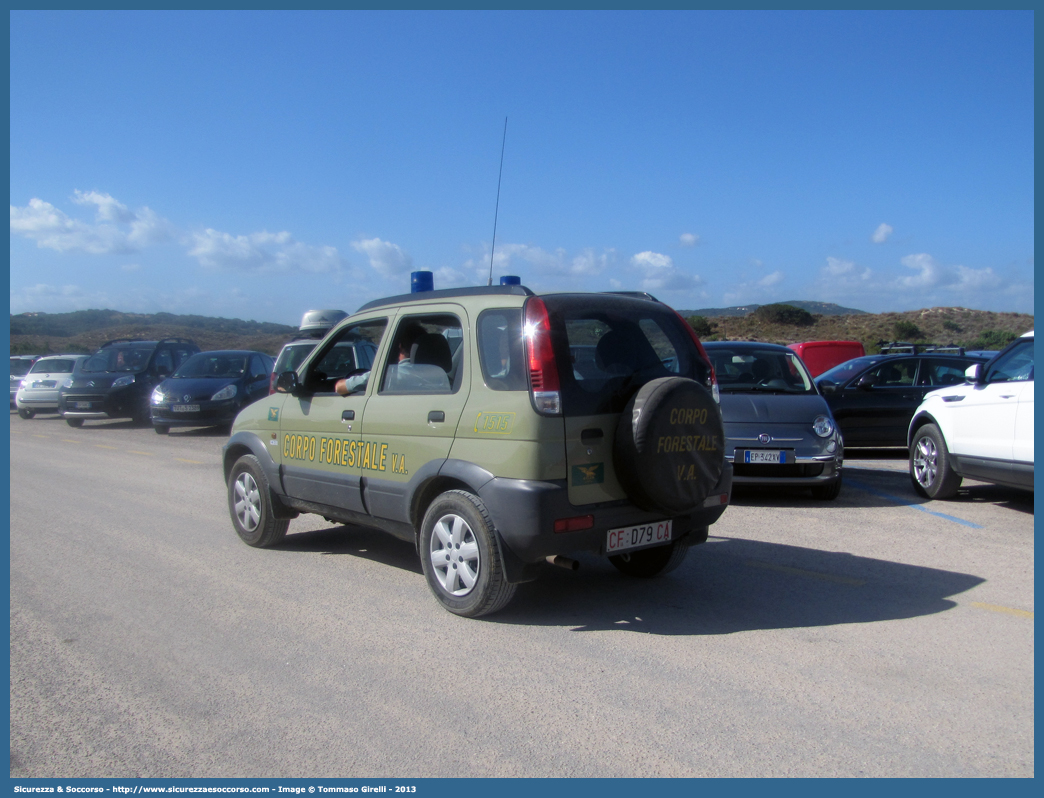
x=563, y=562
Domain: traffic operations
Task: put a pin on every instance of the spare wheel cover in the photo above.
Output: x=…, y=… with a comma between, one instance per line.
x=669, y=451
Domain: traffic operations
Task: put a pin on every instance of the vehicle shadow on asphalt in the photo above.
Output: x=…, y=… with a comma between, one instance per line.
x=356, y=541
x=730, y=585
x=877, y=487
x=726, y=585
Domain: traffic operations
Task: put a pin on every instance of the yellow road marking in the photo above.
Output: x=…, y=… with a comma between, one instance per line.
x=132, y=451
x=183, y=460
x=998, y=608
x=40, y=436
x=841, y=580
x=103, y=446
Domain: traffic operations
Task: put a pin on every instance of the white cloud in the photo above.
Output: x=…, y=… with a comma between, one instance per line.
x=116, y=229
x=57, y=298
x=976, y=279
x=262, y=253
x=387, y=259
x=881, y=234
x=770, y=280
x=658, y=273
x=929, y=274
x=689, y=239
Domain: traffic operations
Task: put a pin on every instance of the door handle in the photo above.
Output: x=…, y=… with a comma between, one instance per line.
x=348, y=415
x=436, y=415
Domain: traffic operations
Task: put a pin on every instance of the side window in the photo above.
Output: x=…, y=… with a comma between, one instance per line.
x=425, y=356
x=257, y=367
x=337, y=358
x=501, y=355
x=941, y=372
x=164, y=361
x=1014, y=366
x=181, y=355
x=894, y=374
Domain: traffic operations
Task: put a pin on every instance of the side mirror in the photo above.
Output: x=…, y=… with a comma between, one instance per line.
x=287, y=383
x=828, y=387
x=162, y=372
x=866, y=382
x=974, y=374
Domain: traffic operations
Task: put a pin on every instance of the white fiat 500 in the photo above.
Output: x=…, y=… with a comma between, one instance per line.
x=38, y=390
x=982, y=429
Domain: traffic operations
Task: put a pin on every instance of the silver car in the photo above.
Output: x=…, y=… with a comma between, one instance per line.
x=38, y=390
x=778, y=428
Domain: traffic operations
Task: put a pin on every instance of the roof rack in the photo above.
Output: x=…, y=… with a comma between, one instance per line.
x=449, y=293
x=907, y=348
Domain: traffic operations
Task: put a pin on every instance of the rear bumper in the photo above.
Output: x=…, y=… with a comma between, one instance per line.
x=524, y=513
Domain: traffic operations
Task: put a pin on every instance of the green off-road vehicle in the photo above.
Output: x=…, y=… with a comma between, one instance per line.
x=498, y=431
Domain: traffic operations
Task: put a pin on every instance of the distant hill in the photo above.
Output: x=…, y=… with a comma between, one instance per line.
x=86, y=330
x=821, y=308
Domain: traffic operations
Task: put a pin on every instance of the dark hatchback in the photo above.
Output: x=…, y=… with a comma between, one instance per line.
x=210, y=388
x=873, y=398
x=117, y=380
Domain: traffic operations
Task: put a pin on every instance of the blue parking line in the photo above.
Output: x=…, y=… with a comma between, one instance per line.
x=908, y=503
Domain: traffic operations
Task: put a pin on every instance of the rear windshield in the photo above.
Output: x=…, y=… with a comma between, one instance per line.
x=293, y=355
x=607, y=347
x=58, y=366
x=119, y=359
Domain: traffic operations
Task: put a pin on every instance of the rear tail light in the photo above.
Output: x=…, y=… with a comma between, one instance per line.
x=543, y=370
x=711, y=383
x=574, y=524
x=271, y=383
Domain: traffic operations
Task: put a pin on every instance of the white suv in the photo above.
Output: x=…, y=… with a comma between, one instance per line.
x=982, y=429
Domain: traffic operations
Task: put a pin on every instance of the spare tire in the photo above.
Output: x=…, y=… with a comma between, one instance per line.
x=670, y=446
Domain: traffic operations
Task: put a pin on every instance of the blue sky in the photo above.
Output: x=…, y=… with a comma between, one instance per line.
x=258, y=164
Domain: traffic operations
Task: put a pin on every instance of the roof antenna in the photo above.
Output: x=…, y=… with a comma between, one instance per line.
x=497, y=211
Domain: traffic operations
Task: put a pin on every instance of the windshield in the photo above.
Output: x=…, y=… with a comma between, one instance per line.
x=119, y=359
x=57, y=366
x=211, y=364
x=844, y=372
x=769, y=370
x=19, y=368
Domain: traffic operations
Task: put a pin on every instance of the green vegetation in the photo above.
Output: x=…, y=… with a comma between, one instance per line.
x=907, y=331
x=784, y=314
x=992, y=339
x=702, y=327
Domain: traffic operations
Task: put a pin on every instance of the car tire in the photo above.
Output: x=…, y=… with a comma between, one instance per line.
x=668, y=452
x=161, y=429
x=460, y=556
x=828, y=492
x=930, y=471
x=74, y=422
x=250, y=505
x=25, y=412
x=647, y=563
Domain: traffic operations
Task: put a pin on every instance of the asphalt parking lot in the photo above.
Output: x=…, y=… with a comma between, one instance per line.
x=876, y=635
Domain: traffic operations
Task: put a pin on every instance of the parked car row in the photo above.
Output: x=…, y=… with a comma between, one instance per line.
x=168, y=382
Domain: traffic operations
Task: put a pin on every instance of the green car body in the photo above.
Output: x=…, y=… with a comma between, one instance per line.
x=464, y=453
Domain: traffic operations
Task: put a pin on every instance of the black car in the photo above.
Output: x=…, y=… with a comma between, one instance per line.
x=117, y=380
x=873, y=398
x=210, y=388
